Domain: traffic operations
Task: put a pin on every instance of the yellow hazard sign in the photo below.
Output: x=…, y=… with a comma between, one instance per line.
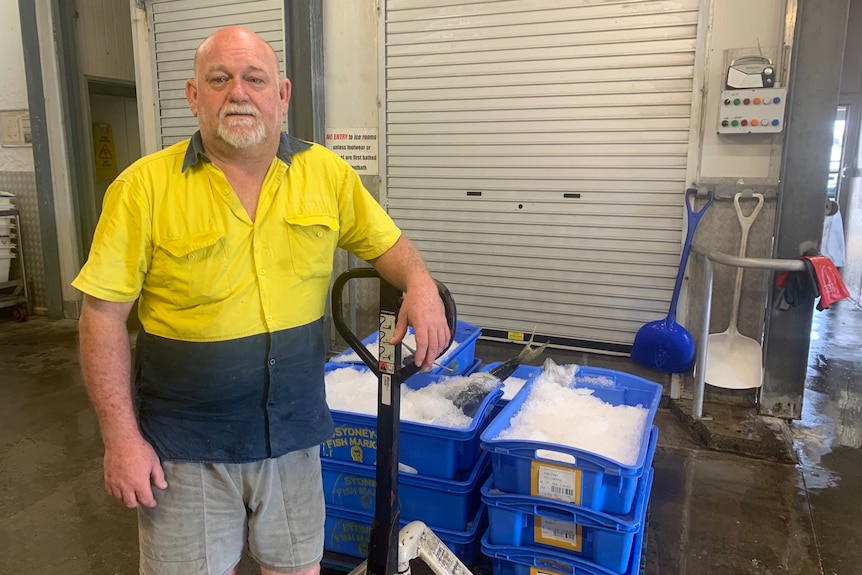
x=105, y=156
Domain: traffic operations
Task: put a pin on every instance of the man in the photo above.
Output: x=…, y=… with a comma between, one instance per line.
x=228, y=239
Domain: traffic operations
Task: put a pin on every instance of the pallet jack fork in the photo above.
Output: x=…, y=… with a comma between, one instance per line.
x=391, y=549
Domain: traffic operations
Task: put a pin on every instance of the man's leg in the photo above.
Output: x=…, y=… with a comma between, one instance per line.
x=286, y=513
x=198, y=526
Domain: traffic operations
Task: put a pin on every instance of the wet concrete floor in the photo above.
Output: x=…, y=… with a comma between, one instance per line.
x=710, y=513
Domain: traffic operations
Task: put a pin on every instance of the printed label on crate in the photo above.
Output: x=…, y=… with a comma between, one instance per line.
x=538, y=571
x=350, y=490
x=359, y=442
x=555, y=482
x=557, y=533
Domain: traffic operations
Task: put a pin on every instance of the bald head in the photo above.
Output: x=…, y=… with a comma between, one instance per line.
x=234, y=37
x=238, y=95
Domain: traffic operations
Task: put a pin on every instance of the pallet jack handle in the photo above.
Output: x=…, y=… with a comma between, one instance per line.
x=384, y=543
x=391, y=304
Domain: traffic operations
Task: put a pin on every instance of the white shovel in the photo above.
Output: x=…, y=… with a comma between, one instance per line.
x=734, y=361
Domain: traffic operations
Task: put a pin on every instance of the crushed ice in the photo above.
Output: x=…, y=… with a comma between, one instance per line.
x=560, y=408
x=440, y=404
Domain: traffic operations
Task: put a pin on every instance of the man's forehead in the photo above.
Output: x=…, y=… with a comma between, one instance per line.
x=228, y=44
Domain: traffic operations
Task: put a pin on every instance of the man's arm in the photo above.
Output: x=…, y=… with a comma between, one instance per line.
x=403, y=266
x=130, y=462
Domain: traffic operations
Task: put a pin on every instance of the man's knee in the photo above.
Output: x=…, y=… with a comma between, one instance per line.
x=310, y=571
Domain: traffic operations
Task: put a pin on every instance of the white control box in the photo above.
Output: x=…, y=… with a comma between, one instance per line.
x=752, y=111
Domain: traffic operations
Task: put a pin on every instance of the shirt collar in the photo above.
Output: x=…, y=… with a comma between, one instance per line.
x=287, y=147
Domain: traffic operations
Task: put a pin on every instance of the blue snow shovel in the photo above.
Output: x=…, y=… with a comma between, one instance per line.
x=664, y=344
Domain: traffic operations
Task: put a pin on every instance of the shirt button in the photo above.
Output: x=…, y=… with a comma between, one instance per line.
x=263, y=272
x=320, y=234
x=191, y=257
x=272, y=362
x=269, y=318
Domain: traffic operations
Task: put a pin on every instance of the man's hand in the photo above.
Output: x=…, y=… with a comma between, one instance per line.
x=423, y=309
x=131, y=469
x=403, y=266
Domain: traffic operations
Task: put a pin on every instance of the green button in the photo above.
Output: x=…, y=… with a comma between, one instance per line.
x=734, y=123
x=736, y=102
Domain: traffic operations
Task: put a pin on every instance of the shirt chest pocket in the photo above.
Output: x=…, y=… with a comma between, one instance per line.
x=312, y=239
x=193, y=269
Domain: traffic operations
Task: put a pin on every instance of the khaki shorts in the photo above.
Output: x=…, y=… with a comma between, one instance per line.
x=209, y=510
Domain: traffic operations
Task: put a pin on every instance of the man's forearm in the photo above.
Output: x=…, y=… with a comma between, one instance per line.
x=106, y=365
x=402, y=264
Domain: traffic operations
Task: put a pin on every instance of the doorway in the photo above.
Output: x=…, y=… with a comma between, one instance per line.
x=116, y=143
x=116, y=134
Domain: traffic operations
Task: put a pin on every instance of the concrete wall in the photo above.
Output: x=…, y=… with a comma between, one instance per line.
x=739, y=28
x=17, y=173
x=13, y=84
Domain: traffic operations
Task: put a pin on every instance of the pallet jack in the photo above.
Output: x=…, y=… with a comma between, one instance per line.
x=391, y=549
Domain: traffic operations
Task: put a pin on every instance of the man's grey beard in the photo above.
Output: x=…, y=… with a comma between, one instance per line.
x=248, y=135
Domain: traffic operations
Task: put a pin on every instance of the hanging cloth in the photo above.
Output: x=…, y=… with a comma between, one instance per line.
x=820, y=278
x=832, y=244
x=829, y=282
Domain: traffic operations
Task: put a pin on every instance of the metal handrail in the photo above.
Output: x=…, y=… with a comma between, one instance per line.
x=761, y=263
x=711, y=256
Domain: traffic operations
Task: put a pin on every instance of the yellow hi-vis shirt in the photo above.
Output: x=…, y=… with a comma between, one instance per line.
x=173, y=231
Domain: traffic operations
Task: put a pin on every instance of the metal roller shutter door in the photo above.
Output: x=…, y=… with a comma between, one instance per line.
x=536, y=152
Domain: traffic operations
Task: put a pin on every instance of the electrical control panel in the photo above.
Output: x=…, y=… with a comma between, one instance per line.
x=752, y=111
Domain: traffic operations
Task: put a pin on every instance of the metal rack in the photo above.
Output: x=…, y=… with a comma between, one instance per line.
x=13, y=293
x=710, y=256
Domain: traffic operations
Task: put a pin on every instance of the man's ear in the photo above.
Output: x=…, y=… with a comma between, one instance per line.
x=284, y=95
x=192, y=96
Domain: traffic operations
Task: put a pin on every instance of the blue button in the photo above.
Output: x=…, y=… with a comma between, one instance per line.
x=775, y=122
x=776, y=100
x=272, y=362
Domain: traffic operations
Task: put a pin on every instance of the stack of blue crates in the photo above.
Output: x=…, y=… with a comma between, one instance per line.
x=565, y=510
x=450, y=468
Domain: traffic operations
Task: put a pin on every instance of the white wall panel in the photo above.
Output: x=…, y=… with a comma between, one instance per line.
x=537, y=152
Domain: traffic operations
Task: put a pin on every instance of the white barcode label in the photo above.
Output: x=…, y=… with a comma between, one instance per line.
x=386, y=388
x=557, y=483
x=558, y=533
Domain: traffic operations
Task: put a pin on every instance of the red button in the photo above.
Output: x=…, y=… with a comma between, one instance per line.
x=744, y=122
x=746, y=101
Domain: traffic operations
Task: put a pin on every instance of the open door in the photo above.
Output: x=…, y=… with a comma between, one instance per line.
x=116, y=143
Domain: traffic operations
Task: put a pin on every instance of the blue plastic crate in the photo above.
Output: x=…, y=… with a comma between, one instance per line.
x=459, y=360
x=433, y=451
x=508, y=560
x=443, y=503
x=603, y=539
x=591, y=480
x=348, y=532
